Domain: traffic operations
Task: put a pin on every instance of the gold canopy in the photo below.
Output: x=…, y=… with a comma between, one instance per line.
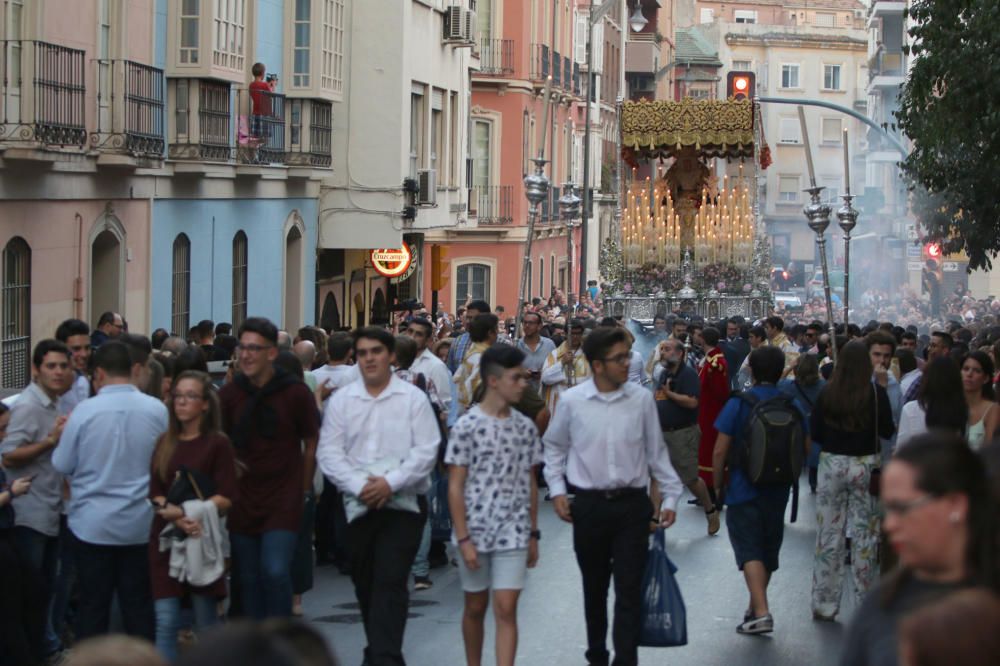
x=715, y=128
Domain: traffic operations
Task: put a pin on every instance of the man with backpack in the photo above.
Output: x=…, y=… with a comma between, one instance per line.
x=762, y=440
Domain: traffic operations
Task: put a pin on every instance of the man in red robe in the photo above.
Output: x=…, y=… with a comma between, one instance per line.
x=714, y=375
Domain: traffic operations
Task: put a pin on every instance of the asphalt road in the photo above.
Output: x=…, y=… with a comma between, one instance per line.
x=550, y=614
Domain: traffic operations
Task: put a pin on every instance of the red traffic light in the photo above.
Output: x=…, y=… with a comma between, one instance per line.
x=740, y=85
x=932, y=250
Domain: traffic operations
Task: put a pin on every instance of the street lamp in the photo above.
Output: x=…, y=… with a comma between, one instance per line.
x=847, y=217
x=637, y=21
x=536, y=189
x=818, y=215
x=569, y=206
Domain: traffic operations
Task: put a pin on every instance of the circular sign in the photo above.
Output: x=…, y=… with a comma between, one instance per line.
x=391, y=263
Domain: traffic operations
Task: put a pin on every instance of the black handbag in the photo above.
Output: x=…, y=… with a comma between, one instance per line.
x=189, y=485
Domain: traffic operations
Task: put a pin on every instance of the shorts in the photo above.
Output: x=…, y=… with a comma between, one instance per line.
x=499, y=570
x=683, y=448
x=757, y=527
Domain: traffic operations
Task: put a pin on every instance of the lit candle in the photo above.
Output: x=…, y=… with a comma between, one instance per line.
x=847, y=166
x=805, y=139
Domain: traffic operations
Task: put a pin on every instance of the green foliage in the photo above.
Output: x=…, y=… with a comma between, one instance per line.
x=950, y=108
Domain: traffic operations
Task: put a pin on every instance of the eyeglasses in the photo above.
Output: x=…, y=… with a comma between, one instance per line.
x=253, y=349
x=187, y=397
x=903, y=508
x=620, y=359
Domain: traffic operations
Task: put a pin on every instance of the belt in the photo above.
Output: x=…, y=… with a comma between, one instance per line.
x=681, y=427
x=611, y=493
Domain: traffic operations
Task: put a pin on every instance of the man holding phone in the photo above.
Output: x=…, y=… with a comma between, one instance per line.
x=535, y=347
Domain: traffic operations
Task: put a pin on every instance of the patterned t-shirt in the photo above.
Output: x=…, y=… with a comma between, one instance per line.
x=499, y=454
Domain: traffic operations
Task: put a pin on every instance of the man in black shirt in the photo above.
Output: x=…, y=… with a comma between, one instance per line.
x=677, y=393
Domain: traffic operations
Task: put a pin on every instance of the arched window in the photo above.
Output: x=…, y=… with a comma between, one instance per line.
x=294, y=248
x=15, y=344
x=473, y=279
x=239, y=278
x=180, y=301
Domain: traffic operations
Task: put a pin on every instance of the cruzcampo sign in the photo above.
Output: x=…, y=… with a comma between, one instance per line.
x=392, y=263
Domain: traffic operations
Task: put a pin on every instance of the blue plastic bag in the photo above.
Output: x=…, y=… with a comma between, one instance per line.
x=664, y=618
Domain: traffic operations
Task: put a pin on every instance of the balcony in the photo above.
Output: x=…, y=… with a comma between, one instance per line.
x=130, y=112
x=883, y=8
x=261, y=137
x=541, y=62
x=887, y=69
x=310, y=132
x=496, y=57
x=641, y=56
x=42, y=90
x=493, y=205
x=556, y=70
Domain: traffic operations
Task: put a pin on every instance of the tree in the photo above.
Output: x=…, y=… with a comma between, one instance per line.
x=950, y=109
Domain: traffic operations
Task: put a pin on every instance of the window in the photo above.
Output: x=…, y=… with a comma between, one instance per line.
x=788, y=189
x=180, y=302
x=707, y=15
x=333, y=46
x=484, y=19
x=825, y=19
x=831, y=77
x=455, y=120
x=481, y=130
x=831, y=195
x=473, y=279
x=321, y=130
x=541, y=276
x=300, y=43
x=832, y=129
x=183, y=105
x=742, y=65
x=295, y=121
x=525, y=146
x=15, y=343
x=190, y=18
x=239, y=279
x=104, y=29
x=230, y=20
x=552, y=271
x=745, y=16
x=437, y=126
x=789, y=76
x=791, y=131
x=416, y=129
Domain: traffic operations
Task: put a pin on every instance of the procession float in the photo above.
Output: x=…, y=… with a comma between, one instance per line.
x=689, y=236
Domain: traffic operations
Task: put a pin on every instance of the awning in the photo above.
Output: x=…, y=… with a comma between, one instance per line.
x=717, y=128
x=357, y=230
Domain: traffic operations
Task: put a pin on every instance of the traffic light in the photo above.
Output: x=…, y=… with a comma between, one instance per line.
x=740, y=85
x=931, y=275
x=439, y=268
x=932, y=251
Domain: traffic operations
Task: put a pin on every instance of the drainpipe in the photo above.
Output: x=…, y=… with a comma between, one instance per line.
x=78, y=282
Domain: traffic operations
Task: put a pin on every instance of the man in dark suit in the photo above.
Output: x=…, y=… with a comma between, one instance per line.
x=735, y=349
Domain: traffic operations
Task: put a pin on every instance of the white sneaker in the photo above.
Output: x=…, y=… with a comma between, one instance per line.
x=756, y=625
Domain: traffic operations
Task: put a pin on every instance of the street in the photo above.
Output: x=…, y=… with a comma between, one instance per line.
x=550, y=617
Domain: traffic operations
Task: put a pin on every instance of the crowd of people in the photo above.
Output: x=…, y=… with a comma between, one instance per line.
x=152, y=485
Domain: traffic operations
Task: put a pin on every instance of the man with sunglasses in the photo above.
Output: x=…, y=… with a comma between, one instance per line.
x=605, y=440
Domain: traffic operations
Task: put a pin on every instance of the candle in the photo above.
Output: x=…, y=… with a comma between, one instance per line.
x=847, y=166
x=545, y=114
x=805, y=139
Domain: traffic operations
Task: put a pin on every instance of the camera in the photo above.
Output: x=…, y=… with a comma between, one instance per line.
x=271, y=78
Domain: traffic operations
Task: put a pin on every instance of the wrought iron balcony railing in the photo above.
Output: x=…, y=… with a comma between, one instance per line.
x=206, y=136
x=541, y=62
x=493, y=205
x=42, y=93
x=262, y=127
x=496, y=57
x=310, y=129
x=130, y=108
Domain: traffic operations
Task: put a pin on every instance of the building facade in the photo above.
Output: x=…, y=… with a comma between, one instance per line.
x=137, y=173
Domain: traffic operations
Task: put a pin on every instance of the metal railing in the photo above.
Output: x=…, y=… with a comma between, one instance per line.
x=567, y=74
x=264, y=140
x=42, y=93
x=494, y=204
x=541, y=62
x=207, y=136
x=130, y=108
x=556, y=69
x=496, y=57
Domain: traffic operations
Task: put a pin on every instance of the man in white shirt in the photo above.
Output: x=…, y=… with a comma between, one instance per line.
x=378, y=444
x=426, y=363
x=338, y=371
x=605, y=439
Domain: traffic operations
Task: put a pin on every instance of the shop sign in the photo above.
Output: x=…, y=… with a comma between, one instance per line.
x=392, y=263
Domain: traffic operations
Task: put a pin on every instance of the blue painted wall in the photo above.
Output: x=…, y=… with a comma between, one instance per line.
x=160, y=36
x=270, y=19
x=211, y=224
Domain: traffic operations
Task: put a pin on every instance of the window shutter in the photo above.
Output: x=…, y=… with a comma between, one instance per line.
x=580, y=45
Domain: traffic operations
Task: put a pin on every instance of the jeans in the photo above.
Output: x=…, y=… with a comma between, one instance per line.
x=303, y=561
x=421, y=564
x=104, y=572
x=611, y=536
x=168, y=621
x=22, y=615
x=41, y=553
x=65, y=579
x=264, y=571
x=383, y=545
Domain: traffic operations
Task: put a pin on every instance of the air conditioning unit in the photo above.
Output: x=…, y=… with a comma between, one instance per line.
x=469, y=26
x=427, y=194
x=454, y=26
x=859, y=14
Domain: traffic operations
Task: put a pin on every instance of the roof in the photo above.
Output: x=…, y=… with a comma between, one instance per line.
x=800, y=37
x=691, y=48
x=807, y=4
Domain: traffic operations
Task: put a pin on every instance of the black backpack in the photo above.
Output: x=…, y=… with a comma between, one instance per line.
x=772, y=449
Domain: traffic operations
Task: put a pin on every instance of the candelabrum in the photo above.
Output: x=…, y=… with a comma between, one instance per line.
x=847, y=217
x=818, y=215
x=536, y=189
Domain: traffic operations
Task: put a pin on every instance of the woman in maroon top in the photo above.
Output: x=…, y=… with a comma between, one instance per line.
x=195, y=442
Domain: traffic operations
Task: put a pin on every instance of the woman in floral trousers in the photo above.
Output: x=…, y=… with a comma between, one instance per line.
x=850, y=416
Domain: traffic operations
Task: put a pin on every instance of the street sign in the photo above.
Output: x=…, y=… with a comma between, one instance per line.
x=912, y=251
x=911, y=232
x=949, y=266
x=915, y=265
x=392, y=263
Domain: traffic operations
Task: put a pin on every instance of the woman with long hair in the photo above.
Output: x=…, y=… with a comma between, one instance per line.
x=851, y=415
x=977, y=382
x=941, y=522
x=940, y=403
x=805, y=386
x=193, y=445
